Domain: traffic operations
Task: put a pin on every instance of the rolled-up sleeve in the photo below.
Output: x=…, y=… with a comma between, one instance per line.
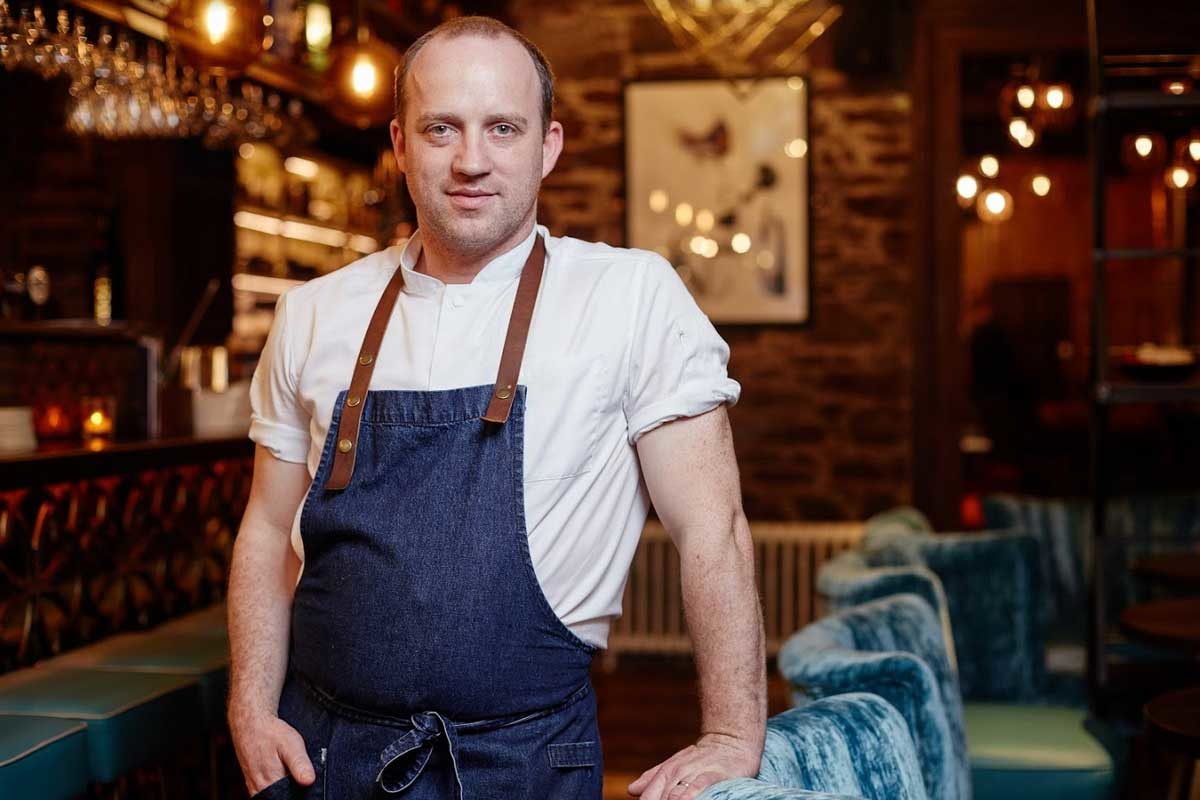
x=677, y=365
x=278, y=421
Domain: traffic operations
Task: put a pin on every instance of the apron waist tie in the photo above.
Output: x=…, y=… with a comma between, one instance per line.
x=405, y=759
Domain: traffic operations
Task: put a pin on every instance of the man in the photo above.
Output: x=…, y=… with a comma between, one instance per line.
x=433, y=551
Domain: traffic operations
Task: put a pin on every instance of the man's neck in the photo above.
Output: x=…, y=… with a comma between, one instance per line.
x=452, y=266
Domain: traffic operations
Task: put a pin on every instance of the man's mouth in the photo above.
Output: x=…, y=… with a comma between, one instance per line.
x=469, y=199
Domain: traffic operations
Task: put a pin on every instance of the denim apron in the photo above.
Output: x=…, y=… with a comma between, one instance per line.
x=425, y=661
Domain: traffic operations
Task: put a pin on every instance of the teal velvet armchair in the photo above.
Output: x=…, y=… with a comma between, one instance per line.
x=894, y=647
x=847, y=746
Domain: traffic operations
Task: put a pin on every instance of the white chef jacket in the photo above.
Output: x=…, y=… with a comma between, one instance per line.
x=617, y=347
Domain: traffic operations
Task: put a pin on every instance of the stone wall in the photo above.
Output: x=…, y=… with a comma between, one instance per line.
x=824, y=427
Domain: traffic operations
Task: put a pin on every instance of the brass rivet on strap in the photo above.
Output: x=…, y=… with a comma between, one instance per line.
x=504, y=393
x=365, y=359
x=352, y=400
x=344, y=445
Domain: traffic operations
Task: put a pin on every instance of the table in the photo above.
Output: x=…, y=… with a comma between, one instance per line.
x=1174, y=624
x=1180, y=570
x=1173, y=722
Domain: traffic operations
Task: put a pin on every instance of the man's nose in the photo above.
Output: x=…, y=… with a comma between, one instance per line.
x=472, y=157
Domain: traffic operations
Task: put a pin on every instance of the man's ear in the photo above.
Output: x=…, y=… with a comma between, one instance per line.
x=552, y=145
x=397, y=130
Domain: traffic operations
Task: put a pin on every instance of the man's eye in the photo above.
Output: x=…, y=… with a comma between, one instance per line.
x=504, y=129
x=439, y=130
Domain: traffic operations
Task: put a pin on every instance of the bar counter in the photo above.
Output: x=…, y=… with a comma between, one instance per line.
x=55, y=462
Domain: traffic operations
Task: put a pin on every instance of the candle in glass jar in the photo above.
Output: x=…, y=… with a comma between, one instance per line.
x=97, y=414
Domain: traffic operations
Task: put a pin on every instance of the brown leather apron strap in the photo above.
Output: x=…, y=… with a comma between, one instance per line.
x=506, y=381
x=518, y=333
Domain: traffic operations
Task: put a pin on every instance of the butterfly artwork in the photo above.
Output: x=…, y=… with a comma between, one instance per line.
x=717, y=183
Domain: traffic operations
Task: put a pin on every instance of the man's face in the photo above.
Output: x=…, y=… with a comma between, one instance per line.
x=471, y=144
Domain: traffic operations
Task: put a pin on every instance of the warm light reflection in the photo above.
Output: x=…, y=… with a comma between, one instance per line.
x=683, y=214
x=796, y=148
x=304, y=232
x=1040, y=185
x=318, y=26
x=659, y=201
x=1026, y=96
x=1017, y=128
x=1193, y=149
x=1144, y=146
x=1055, y=97
x=740, y=243
x=301, y=167
x=705, y=220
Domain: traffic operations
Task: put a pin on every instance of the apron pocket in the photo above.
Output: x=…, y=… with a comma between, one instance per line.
x=279, y=790
x=570, y=755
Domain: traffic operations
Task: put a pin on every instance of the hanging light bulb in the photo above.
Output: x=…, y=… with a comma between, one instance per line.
x=1026, y=96
x=1143, y=151
x=358, y=68
x=994, y=205
x=1190, y=147
x=1040, y=185
x=221, y=36
x=989, y=166
x=1181, y=175
x=966, y=187
x=1056, y=97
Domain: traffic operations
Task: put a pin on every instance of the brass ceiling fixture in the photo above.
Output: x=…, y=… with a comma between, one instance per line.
x=361, y=71
x=746, y=38
x=222, y=37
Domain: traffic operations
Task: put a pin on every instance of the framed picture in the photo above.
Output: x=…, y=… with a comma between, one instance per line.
x=717, y=183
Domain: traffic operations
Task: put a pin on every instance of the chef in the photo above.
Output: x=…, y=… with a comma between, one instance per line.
x=458, y=442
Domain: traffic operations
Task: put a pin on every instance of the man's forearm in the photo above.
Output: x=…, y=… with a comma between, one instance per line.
x=725, y=620
x=261, y=585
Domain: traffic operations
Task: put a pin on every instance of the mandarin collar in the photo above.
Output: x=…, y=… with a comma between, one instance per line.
x=501, y=269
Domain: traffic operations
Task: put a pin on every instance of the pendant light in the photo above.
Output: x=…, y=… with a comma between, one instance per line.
x=361, y=70
x=221, y=36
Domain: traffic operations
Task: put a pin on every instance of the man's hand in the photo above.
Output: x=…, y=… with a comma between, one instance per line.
x=683, y=776
x=269, y=749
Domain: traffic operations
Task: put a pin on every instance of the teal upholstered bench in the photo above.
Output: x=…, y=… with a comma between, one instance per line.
x=201, y=657
x=131, y=718
x=206, y=622
x=42, y=758
x=1034, y=752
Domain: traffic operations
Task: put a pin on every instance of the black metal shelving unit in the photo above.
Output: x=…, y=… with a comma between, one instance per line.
x=1106, y=392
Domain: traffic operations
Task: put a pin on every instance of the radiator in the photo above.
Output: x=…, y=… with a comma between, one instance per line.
x=787, y=556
